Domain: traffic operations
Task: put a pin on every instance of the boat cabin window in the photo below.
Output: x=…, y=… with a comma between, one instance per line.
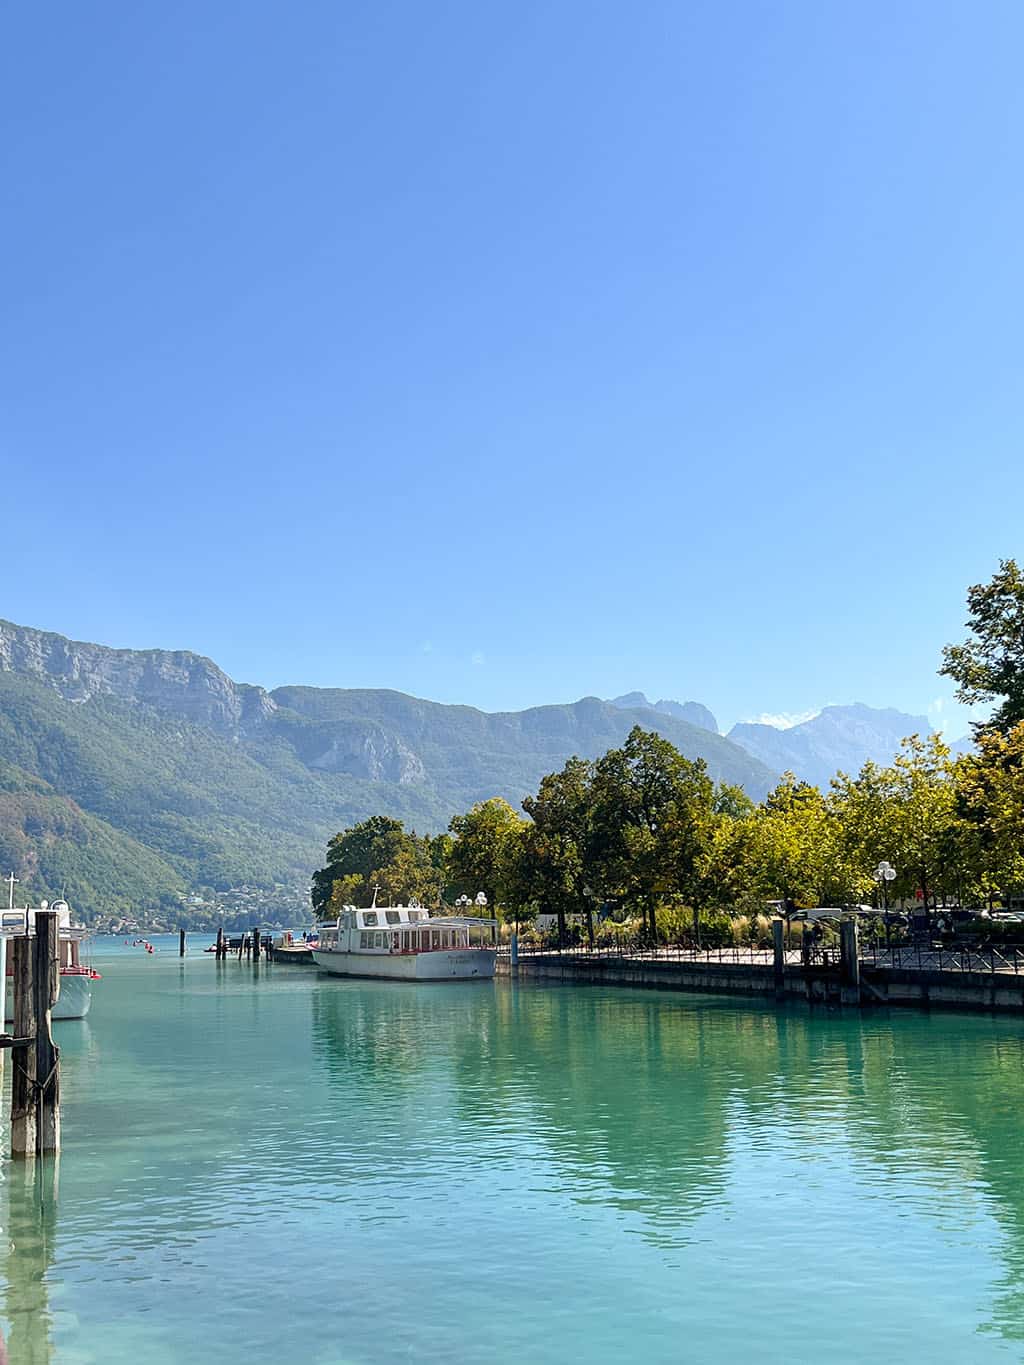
x=415, y=914
x=370, y=918
x=392, y=917
x=365, y=940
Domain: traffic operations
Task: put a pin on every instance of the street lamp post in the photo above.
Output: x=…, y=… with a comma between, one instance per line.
x=591, y=896
x=883, y=874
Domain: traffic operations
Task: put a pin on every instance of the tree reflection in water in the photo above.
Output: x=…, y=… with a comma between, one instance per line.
x=649, y=1103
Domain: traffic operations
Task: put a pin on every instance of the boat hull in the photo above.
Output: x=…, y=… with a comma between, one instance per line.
x=297, y=954
x=446, y=964
x=72, y=1003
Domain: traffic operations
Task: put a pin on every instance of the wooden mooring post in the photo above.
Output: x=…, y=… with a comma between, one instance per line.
x=181, y=942
x=849, y=960
x=255, y=945
x=222, y=948
x=35, y=1082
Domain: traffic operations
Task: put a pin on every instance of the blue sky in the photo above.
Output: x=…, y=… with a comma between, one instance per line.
x=509, y=353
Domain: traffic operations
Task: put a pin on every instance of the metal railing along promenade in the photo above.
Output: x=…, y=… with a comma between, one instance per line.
x=636, y=950
x=988, y=960
x=912, y=957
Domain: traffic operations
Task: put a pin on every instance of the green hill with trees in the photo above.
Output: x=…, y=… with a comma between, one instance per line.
x=134, y=776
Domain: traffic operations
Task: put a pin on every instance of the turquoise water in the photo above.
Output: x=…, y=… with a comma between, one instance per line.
x=266, y=1165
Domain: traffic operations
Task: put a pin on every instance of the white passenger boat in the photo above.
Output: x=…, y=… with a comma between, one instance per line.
x=405, y=943
x=76, y=980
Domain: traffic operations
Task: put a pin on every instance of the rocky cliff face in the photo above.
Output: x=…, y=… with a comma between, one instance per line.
x=362, y=749
x=176, y=681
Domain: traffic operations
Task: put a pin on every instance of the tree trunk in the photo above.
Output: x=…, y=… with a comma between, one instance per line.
x=560, y=911
x=590, y=923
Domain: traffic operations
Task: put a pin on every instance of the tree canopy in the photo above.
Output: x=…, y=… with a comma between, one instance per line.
x=989, y=666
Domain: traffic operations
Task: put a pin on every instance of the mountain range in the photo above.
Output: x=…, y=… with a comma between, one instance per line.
x=128, y=777
x=837, y=739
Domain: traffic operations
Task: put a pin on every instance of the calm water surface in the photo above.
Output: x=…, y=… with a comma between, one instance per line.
x=266, y=1165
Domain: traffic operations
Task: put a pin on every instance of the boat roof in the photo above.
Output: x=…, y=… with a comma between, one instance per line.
x=449, y=921
x=423, y=917
x=15, y=919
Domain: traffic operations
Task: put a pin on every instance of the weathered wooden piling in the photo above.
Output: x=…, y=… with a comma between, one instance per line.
x=181, y=942
x=849, y=957
x=23, y=1078
x=222, y=948
x=3, y=997
x=35, y=1087
x=255, y=945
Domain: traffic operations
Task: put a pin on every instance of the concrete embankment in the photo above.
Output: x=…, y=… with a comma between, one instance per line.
x=878, y=986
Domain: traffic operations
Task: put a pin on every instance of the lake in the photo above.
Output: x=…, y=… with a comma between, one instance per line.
x=262, y=1164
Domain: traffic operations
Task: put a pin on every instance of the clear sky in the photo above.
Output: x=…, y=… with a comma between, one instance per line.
x=508, y=353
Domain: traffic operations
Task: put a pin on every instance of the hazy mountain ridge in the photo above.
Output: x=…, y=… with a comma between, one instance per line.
x=838, y=739
x=694, y=712
x=175, y=775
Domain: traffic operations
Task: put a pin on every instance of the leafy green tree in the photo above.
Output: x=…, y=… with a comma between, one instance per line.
x=796, y=851
x=412, y=874
x=725, y=872
x=905, y=814
x=552, y=868
x=650, y=810
x=378, y=854
x=733, y=802
x=484, y=850
x=989, y=787
x=989, y=667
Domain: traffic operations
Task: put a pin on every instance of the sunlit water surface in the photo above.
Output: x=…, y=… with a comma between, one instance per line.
x=267, y=1165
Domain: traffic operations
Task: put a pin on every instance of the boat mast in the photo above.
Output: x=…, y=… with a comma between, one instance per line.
x=11, y=882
